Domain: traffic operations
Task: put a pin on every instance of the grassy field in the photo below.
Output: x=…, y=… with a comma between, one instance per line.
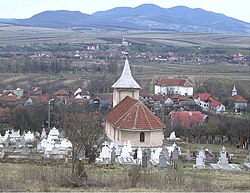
x=18, y=35
x=33, y=177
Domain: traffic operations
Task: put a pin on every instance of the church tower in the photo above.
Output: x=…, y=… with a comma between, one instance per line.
x=234, y=91
x=125, y=86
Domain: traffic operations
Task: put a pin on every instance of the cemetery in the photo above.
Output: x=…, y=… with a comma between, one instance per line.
x=169, y=167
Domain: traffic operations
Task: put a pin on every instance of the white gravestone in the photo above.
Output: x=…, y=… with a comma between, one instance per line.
x=139, y=156
x=223, y=160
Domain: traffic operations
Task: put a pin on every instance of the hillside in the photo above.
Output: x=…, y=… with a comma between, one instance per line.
x=143, y=17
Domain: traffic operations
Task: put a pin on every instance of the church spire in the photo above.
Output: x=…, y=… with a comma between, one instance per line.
x=234, y=91
x=126, y=80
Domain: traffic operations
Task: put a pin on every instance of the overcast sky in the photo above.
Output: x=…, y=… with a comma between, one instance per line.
x=239, y=9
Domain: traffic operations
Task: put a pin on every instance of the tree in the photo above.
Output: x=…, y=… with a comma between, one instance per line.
x=86, y=133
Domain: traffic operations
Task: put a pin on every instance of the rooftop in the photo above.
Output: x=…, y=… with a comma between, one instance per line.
x=133, y=114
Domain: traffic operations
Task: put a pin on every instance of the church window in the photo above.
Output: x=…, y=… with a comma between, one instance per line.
x=142, y=137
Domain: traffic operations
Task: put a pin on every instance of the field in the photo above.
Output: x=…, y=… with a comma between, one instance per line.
x=18, y=35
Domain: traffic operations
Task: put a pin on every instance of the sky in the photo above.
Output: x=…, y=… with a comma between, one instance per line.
x=239, y=9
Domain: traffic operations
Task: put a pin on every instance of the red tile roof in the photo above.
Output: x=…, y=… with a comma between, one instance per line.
x=187, y=118
x=159, y=97
x=215, y=103
x=238, y=98
x=8, y=97
x=202, y=96
x=44, y=98
x=133, y=114
x=175, y=82
x=62, y=92
x=144, y=93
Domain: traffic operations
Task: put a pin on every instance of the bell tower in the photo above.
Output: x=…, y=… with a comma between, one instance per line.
x=125, y=85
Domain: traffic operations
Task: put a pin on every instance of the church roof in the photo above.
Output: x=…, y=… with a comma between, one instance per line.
x=239, y=99
x=133, y=114
x=126, y=80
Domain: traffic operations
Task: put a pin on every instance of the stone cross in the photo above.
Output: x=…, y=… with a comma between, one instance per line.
x=144, y=159
x=113, y=155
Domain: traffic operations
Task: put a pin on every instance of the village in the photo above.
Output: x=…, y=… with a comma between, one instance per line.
x=133, y=128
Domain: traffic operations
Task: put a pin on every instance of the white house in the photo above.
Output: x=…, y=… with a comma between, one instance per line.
x=174, y=86
x=238, y=102
x=207, y=102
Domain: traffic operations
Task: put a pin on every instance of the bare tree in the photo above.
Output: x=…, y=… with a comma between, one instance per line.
x=84, y=130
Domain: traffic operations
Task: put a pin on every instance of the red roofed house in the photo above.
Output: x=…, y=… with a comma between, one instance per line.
x=130, y=119
x=174, y=86
x=207, y=102
x=187, y=119
x=238, y=101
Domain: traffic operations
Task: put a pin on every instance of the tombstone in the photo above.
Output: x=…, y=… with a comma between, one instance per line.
x=25, y=151
x=175, y=154
x=113, y=155
x=29, y=136
x=81, y=155
x=202, y=153
x=17, y=144
x=139, y=156
x=135, y=154
x=54, y=134
x=223, y=160
x=144, y=159
x=156, y=154
x=199, y=162
x=105, y=153
x=43, y=135
x=7, y=142
x=247, y=162
x=23, y=142
x=164, y=157
x=125, y=151
x=188, y=154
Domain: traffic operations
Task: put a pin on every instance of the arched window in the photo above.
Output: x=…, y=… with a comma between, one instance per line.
x=142, y=137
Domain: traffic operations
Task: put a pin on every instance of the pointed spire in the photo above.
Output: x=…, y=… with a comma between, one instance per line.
x=234, y=91
x=126, y=80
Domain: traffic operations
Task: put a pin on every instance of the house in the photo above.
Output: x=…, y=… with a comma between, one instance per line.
x=187, y=119
x=130, y=119
x=207, y=102
x=237, y=101
x=18, y=92
x=174, y=86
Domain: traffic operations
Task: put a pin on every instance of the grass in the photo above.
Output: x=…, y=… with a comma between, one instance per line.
x=31, y=177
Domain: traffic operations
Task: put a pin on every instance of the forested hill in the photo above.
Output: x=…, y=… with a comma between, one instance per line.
x=143, y=17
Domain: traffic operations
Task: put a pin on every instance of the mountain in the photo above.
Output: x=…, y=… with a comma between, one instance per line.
x=143, y=17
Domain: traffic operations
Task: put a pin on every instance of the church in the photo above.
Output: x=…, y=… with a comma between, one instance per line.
x=130, y=119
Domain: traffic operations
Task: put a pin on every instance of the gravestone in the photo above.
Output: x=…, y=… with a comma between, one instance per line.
x=23, y=142
x=247, y=162
x=17, y=144
x=126, y=150
x=199, y=162
x=7, y=142
x=144, y=159
x=202, y=153
x=25, y=151
x=81, y=154
x=175, y=154
x=223, y=160
x=43, y=135
x=105, y=153
x=139, y=156
x=113, y=155
x=188, y=154
x=135, y=154
x=164, y=157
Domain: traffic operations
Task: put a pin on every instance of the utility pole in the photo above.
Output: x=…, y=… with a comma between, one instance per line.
x=49, y=113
